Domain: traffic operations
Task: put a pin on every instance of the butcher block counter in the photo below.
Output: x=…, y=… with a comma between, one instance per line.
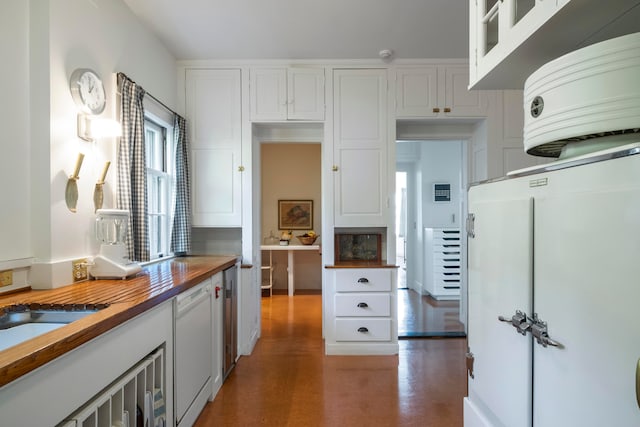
x=124, y=299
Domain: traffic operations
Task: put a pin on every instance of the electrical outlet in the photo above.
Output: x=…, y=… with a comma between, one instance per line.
x=6, y=278
x=79, y=270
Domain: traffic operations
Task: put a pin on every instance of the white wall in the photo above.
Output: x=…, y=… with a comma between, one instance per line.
x=46, y=41
x=441, y=162
x=15, y=241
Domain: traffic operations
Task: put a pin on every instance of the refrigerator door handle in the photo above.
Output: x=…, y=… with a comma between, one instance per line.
x=471, y=223
x=541, y=334
x=520, y=321
x=638, y=383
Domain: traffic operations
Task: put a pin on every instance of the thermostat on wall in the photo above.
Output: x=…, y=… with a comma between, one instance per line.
x=441, y=192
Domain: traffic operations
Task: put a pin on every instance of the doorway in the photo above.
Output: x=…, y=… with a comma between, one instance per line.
x=423, y=170
x=290, y=172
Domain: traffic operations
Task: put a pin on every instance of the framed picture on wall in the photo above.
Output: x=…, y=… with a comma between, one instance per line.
x=295, y=214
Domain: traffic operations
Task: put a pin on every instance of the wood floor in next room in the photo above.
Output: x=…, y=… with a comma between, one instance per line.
x=288, y=381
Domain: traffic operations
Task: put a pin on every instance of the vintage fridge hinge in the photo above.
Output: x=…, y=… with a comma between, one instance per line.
x=471, y=222
x=470, y=359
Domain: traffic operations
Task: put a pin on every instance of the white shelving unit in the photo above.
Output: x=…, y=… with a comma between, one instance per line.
x=442, y=267
x=267, y=279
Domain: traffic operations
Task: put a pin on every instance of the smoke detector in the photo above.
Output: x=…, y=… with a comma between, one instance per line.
x=386, y=54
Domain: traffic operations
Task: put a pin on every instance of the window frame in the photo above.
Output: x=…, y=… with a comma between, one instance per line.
x=163, y=174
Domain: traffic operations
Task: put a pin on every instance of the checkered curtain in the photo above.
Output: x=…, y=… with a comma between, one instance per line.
x=132, y=176
x=181, y=231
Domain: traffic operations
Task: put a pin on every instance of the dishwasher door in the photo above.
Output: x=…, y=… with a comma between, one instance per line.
x=193, y=351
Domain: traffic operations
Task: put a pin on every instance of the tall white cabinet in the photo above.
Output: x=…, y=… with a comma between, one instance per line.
x=213, y=110
x=360, y=147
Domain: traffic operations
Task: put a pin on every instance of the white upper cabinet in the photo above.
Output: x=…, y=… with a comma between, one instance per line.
x=287, y=94
x=510, y=39
x=438, y=91
x=213, y=110
x=360, y=147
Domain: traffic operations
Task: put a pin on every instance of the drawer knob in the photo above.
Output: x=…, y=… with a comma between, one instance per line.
x=363, y=305
x=363, y=329
x=363, y=280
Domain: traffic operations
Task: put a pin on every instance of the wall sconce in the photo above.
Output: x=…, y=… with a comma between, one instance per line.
x=92, y=128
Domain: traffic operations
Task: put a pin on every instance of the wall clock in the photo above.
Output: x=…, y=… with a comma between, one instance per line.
x=87, y=91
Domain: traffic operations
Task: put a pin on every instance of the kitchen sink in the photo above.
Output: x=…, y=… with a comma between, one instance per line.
x=19, y=324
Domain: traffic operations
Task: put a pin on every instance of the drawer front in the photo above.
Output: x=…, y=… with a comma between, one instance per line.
x=368, y=305
x=363, y=329
x=363, y=280
x=446, y=233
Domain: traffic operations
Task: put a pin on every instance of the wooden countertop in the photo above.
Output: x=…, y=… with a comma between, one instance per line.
x=155, y=284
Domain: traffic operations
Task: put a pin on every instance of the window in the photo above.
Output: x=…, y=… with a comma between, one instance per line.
x=160, y=159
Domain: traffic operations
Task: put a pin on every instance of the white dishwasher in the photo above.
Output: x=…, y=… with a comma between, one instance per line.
x=193, y=352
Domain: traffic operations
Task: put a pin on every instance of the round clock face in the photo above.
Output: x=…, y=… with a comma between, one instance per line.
x=87, y=91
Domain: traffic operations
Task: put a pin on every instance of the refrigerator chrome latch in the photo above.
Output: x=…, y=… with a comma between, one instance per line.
x=540, y=332
x=471, y=221
x=520, y=321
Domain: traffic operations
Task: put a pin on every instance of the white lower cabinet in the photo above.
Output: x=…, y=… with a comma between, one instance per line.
x=137, y=398
x=98, y=374
x=363, y=313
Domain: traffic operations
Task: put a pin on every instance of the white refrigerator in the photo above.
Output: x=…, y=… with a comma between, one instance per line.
x=563, y=245
x=554, y=255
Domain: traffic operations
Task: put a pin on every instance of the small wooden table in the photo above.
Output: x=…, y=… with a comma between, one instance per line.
x=290, y=265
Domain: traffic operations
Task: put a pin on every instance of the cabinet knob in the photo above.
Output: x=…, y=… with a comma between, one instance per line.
x=447, y=109
x=334, y=168
x=362, y=329
x=363, y=305
x=363, y=280
x=240, y=168
x=436, y=110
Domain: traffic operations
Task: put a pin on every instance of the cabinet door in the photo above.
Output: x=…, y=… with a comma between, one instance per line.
x=305, y=89
x=416, y=92
x=438, y=91
x=213, y=116
x=360, y=153
x=586, y=269
x=500, y=282
x=268, y=94
x=458, y=100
